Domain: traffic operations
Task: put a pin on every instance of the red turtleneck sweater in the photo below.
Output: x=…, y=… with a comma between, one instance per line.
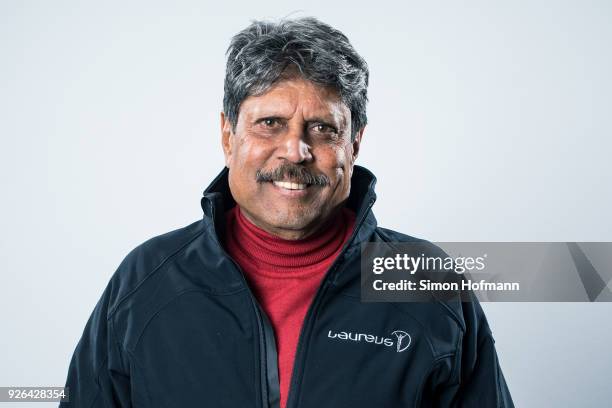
x=284, y=275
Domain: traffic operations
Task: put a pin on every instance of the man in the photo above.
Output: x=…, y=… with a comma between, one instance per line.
x=257, y=304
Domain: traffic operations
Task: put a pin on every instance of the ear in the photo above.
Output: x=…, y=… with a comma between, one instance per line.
x=226, y=139
x=357, y=143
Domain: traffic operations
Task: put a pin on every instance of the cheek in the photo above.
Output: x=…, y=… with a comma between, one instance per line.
x=336, y=163
x=344, y=163
x=249, y=154
x=248, y=157
x=330, y=158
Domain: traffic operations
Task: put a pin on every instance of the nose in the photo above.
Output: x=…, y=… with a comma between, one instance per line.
x=294, y=147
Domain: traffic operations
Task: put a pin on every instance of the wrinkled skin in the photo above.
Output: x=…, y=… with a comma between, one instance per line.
x=297, y=125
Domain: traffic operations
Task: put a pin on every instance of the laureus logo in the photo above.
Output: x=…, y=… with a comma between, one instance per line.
x=403, y=340
x=399, y=338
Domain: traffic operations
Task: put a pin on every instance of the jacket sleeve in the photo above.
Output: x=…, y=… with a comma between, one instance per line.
x=96, y=377
x=476, y=378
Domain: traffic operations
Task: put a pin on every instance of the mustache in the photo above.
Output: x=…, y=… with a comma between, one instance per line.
x=295, y=173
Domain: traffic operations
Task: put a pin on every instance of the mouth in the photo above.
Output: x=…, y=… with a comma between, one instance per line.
x=291, y=189
x=288, y=185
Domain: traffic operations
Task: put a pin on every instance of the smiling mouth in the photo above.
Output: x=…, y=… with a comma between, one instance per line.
x=290, y=185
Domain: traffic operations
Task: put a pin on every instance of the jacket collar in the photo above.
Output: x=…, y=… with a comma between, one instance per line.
x=217, y=199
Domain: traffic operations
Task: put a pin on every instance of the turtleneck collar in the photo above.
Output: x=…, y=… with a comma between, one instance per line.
x=277, y=257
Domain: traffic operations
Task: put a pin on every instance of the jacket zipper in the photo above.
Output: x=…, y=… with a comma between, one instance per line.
x=300, y=354
x=269, y=381
x=268, y=366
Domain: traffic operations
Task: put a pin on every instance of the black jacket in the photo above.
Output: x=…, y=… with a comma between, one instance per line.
x=177, y=326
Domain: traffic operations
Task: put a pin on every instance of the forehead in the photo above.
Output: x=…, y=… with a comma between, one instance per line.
x=297, y=95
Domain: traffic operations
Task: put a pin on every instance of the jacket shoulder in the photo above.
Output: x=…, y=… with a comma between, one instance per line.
x=464, y=314
x=388, y=235
x=146, y=258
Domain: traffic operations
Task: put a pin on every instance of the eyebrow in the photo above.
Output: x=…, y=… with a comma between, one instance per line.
x=322, y=120
x=316, y=119
x=339, y=125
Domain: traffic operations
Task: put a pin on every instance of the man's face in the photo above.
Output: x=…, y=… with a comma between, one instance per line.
x=291, y=158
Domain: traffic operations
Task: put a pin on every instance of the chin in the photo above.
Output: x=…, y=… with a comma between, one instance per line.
x=290, y=224
x=292, y=221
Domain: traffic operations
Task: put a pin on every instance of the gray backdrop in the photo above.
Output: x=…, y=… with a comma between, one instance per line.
x=488, y=121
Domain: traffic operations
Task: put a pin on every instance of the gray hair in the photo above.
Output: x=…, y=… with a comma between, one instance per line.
x=260, y=54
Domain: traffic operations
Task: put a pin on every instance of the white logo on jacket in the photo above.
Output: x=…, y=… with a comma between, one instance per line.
x=399, y=338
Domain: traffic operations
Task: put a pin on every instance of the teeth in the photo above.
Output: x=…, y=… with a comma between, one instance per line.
x=290, y=186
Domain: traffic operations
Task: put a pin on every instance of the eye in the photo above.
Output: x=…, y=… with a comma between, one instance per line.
x=271, y=123
x=324, y=128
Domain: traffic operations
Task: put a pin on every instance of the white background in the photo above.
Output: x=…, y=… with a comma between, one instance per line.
x=488, y=121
